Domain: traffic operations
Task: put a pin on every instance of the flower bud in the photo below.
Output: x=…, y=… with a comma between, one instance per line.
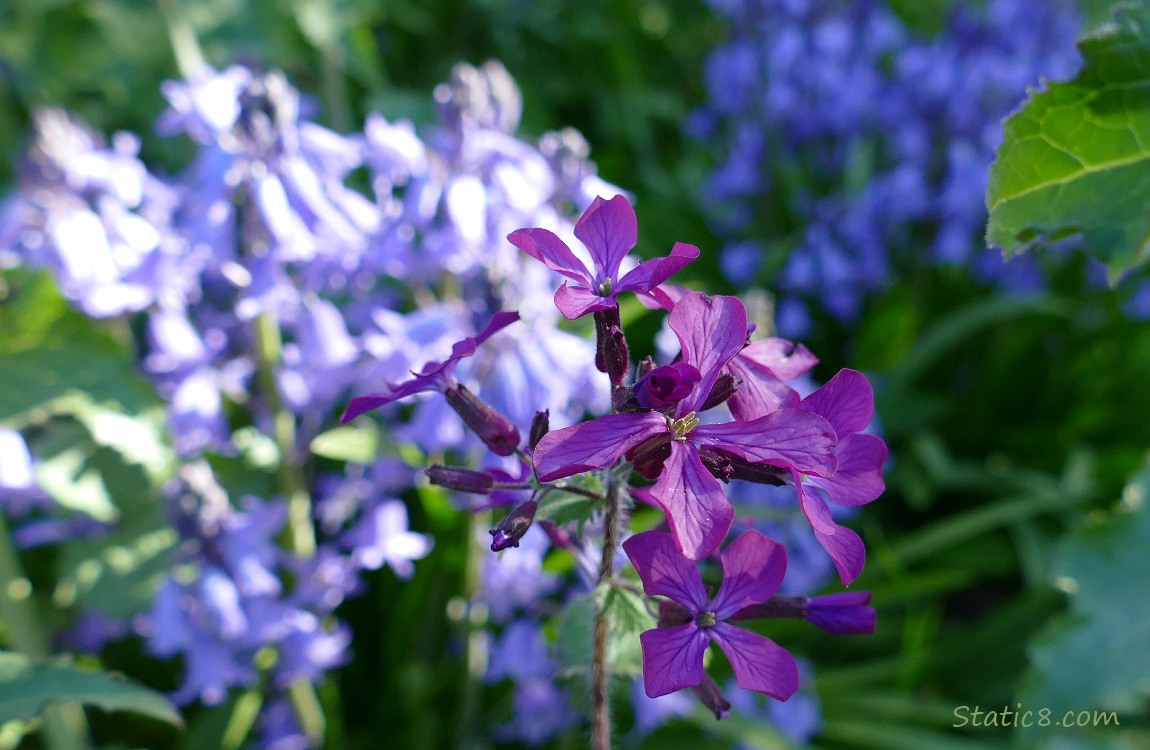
x=494, y=429
x=461, y=480
x=724, y=387
x=512, y=528
x=611, y=354
x=712, y=697
x=540, y=426
x=665, y=386
x=727, y=466
x=649, y=456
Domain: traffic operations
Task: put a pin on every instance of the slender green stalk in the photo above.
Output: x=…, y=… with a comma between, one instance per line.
x=600, y=669
x=300, y=530
x=185, y=47
x=65, y=727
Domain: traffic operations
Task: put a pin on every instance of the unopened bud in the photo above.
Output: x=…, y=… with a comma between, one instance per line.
x=672, y=614
x=512, y=528
x=540, y=425
x=611, y=353
x=666, y=386
x=727, y=466
x=724, y=387
x=648, y=457
x=461, y=480
x=712, y=697
x=494, y=429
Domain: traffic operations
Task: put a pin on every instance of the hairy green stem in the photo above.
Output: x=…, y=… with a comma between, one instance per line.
x=65, y=727
x=600, y=669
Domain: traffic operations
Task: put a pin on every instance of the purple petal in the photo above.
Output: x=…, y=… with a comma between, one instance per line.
x=858, y=480
x=779, y=358
x=362, y=404
x=845, y=613
x=753, y=569
x=760, y=664
x=843, y=545
x=651, y=273
x=576, y=301
x=697, y=510
x=498, y=322
x=711, y=330
x=594, y=444
x=672, y=658
x=847, y=402
x=789, y=438
x=609, y=229
x=758, y=394
x=544, y=246
x=664, y=571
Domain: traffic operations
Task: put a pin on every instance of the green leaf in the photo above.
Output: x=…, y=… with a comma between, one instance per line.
x=563, y=507
x=39, y=378
x=1076, y=157
x=1095, y=657
x=629, y=617
x=26, y=688
x=356, y=444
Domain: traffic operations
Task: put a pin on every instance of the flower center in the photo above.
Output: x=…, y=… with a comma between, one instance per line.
x=605, y=288
x=706, y=620
x=680, y=427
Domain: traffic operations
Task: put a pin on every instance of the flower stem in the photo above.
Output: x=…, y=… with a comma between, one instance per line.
x=600, y=670
x=300, y=531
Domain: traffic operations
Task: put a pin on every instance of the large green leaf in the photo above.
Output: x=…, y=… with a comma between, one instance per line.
x=1076, y=157
x=26, y=688
x=1096, y=658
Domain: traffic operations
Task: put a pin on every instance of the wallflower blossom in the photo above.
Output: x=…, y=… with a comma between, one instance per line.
x=711, y=330
x=609, y=230
x=753, y=568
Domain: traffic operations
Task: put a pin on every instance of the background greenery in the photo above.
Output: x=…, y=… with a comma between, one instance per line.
x=1008, y=559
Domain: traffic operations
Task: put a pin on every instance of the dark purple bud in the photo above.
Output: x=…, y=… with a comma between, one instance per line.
x=645, y=366
x=512, y=528
x=665, y=386
x=494, y=429
x=461, y=480
x=718, y=464
x=672, y=614
x=728, y=466
x=709, y=693
x=611, y=354
x=775, y=608
x=623, y=400
x=724, y=387
x=649, y=456
x=540, y=426
x=846, y=613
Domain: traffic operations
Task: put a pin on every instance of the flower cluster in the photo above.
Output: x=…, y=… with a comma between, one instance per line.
x=266, y=288
x=853, y=135
x=721, y=410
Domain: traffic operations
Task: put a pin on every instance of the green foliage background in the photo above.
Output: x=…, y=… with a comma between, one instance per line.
x=1008, y=559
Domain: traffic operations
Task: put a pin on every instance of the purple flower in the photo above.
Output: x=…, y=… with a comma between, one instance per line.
x=753, y=568
x=382, y=537
x=847, y=402
x=609, y=230
x=845, y=613
x=763, y=369
x=711, y=330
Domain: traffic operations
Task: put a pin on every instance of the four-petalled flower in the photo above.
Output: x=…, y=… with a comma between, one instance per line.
x=753, y=568
x=609, y=229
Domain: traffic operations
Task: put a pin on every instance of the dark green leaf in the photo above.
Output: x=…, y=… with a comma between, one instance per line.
x=26, y=688
x=1095, y=658
x=1076, y=157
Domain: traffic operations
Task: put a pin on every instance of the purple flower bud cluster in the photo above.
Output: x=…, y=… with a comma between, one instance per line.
x=865, y=140
x=722, y=409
